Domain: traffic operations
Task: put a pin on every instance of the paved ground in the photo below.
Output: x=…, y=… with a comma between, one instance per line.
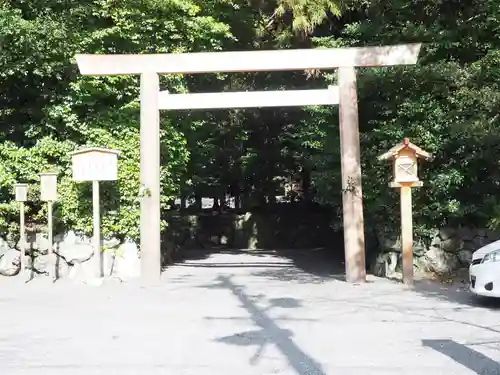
x=242, y=315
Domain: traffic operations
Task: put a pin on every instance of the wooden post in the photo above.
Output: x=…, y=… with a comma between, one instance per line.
x=51, y=257
x=22, y=238
x=150, y=179
x=97, y=229
x=407, y=234
x=48, y=193
x=352, y=198
x=21, y=195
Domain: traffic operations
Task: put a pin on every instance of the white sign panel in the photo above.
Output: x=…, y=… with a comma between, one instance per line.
x=48, y=187
x=21, y=191
x=95, y=164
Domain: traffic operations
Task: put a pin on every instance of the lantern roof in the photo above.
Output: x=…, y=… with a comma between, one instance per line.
x=405, y=144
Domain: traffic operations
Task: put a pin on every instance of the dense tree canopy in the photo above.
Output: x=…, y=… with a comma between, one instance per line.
x=449, y=104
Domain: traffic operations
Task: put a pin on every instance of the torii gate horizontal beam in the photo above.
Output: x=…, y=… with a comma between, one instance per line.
x=249, y=99
x=248, y=61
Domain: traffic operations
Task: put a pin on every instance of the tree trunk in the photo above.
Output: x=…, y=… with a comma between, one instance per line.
x=216, y=205
x=198, y=202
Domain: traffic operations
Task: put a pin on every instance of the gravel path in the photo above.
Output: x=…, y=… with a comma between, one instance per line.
x=239, y=315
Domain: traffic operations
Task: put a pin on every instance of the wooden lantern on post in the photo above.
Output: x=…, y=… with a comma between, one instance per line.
x=405, y=157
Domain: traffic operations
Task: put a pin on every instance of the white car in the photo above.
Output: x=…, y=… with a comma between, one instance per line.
x=484, y=271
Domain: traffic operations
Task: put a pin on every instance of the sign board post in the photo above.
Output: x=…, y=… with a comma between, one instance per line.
x=405, y=157
x=95, y=164
x=21, y=192
x=48, y=193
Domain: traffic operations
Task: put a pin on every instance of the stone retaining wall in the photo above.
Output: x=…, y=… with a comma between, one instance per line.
x=448, y=250
x=74, y=256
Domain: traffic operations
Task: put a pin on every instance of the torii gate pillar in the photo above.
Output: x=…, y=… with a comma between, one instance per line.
x=345, y=59
x=350, y=161
x=150, y=179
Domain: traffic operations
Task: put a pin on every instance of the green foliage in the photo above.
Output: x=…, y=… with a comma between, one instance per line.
x=307, y=15
x=48, y=109
x=448, y=104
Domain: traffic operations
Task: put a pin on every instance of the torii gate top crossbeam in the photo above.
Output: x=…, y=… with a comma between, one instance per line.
x=248, y=61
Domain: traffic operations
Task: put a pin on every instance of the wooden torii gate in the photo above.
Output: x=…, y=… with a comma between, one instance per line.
x=149, y=66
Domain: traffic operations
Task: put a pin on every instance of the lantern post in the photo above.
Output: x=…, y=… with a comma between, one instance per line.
x=404, y=158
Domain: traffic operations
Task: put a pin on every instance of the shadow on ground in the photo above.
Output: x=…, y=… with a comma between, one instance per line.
x=267, y=331
x=466, y=356
x=455, y=292
x=321, y=265
x=307, y=267
x=304, y=266
x=300, y=265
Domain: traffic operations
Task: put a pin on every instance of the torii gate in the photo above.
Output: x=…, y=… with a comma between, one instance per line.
x=149, y=66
